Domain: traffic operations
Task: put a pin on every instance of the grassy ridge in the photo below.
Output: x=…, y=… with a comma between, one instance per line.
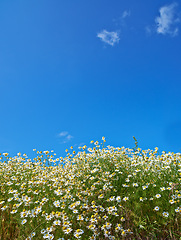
x=100, y=193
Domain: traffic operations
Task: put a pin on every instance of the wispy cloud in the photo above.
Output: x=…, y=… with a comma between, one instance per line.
x=167, y=22
x=65, y=136
x=110, y=38
x=68, y=137
x=148, y=30
x=62, y=134
x=126, y=14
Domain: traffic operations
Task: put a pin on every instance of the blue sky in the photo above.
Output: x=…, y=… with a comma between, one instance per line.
x=74, y=71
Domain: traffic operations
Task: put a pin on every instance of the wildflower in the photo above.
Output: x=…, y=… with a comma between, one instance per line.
x=80, y=217
x=78, y=233
x=103, y=138
x=56, y=222
x=123, y=233
x=108, y=225
x=46, y=235
x=49, y=229
x=92, y=226
x=46, y=152
x=23, y=214
x=43, y=231
x=5, y=154
x=118, y=199
x=4, y=208
x=158, y=196
x=125, y=199
x=129, y=231
x=48, y=217
x=135, y=185
x=112, y=198
x=171, y=201
x=13, y=211
x=111, y=237
x=165, y=214
x=156, y=208
x=33, y=234
x=51, y=236
x=93, y=220
x=10, y=199
x=177, y=209
x=68, y=230
x=24, y=221
x=174, y=196
x=56, y=203
x=9, y=183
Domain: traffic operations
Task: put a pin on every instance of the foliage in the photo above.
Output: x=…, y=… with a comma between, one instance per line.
x=99, y=193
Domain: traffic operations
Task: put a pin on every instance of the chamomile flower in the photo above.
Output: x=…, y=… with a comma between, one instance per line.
x=24, y=221
x=57, y=222
x=118, y=199
x=156, y=208
x=125, y=199
x=14, y=211
x=144, y=187
x=165, y=214
x=68, y=230
x=158, y=196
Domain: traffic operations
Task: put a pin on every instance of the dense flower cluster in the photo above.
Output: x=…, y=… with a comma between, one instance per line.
x=98, y=193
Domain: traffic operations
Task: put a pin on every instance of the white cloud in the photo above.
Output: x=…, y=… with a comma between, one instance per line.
x=126, y=14
x=69, y=137
x=148, y=30
x=166, y=22
x=62, y=134
x=109, y=37
x=65, y=136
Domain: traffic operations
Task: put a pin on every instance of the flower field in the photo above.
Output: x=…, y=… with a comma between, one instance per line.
x=97, y=193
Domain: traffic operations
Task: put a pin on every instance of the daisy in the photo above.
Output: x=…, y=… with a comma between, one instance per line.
x=156, y=208
x=118, y=199
x=57, y=222
x=135, y=185
x=49, y=217
x=23, y=221
x=4, y=208
x=13, y=211
x=171, y=201
x=165, y=214
x=68, y=230
x=125, y=198
x=57, y=203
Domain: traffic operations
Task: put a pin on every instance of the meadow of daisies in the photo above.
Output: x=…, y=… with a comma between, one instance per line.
x=98, y=193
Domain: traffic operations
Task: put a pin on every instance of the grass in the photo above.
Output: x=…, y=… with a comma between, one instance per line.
x=100, y=193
